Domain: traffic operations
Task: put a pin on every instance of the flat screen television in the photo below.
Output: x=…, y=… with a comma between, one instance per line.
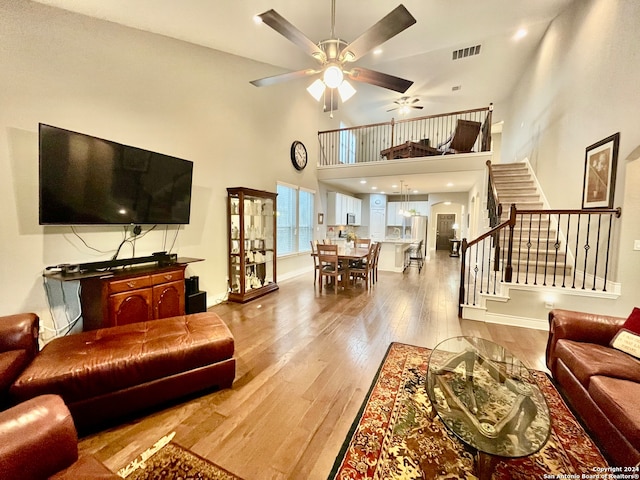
x=85, y=180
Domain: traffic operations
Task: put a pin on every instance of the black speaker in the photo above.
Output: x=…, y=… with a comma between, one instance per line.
x=192, y=285
x=196, y=302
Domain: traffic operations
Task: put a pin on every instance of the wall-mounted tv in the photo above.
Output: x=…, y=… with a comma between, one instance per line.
x=86, y=180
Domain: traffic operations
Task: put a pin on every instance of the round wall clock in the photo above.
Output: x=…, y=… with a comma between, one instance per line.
x=298, y=155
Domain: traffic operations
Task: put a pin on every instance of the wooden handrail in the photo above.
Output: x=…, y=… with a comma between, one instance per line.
x=535, y=250
x=408, y=120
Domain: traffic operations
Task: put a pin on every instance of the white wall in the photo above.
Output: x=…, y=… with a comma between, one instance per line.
x=581, y=87
x=148, y=91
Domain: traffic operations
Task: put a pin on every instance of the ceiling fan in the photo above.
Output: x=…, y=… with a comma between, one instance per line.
x=405, y=104
x=334, y=55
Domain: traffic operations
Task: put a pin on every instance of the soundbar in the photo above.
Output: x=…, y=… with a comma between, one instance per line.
x=161, y=258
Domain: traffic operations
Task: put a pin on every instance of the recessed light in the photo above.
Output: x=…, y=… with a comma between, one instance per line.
x=374, y=188
x=447, y=203
x=377, y=51
x=449, y=184
x=394, y=186
x=520, y=34
x=415, y=191
x=363, y=182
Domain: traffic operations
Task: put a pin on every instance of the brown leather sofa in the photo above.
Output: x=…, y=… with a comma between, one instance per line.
x=600, y=383
x=38, y=440
x=18, y=346
x=107, y=373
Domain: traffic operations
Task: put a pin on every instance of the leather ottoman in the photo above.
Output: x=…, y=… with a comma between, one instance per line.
x=110, y=372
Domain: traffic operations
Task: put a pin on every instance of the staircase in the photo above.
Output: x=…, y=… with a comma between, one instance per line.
x=535, y=251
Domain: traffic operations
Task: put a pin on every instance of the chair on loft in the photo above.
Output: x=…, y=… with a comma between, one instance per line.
x=462, y=139
x=329, y=264
x=316, y=264
x=415, y=256
x=363, y=270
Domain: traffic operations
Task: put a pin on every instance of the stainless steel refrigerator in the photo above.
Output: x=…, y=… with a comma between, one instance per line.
x=419, y=225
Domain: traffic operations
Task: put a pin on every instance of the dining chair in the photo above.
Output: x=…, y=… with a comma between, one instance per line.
x=329, y=264
x=316, y=264
x=374, y=262
x=359, y=243
x=363, y=270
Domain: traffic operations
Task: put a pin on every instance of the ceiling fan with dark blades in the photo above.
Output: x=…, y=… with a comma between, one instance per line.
x=406, y=103
x=334, y=55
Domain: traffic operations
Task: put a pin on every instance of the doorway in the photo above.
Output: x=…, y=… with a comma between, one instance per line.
x=444, y=230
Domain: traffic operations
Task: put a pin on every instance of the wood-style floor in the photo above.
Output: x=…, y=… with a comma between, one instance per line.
x=305, y=361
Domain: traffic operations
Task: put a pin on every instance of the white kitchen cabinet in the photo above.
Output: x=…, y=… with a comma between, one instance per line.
x=339, y=204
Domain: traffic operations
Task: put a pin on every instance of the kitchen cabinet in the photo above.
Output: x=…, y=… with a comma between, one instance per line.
x=339, y=205
x=395, y=218
x=251, y=230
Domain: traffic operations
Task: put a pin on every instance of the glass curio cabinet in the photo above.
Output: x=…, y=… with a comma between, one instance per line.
x=252, y=243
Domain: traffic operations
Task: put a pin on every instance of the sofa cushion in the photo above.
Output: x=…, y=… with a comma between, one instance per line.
x=11, y=364
x=588, y=359
x=628, y=338
x=101, y=361
x=618, y=399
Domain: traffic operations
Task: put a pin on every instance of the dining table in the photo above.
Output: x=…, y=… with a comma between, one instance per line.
x=347, y=255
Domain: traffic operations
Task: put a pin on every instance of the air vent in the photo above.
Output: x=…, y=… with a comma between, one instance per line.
x=466, y=52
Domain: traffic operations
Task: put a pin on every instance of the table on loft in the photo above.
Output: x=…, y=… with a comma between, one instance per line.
x=409, y=150
x=346, y=255
x=488, y=399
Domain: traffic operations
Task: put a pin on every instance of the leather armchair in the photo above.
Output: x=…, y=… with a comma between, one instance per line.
x=18, y=347
x=38, y=440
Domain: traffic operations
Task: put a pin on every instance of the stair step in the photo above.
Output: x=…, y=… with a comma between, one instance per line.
x=518, y=198
x=512, y=178
x=509, y=166
x=521, y=269
x=523, y=190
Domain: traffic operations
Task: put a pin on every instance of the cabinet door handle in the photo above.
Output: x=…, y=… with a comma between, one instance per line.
x=131, y=284
x=168, y=277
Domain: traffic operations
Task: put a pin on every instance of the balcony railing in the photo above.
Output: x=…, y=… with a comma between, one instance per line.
x=365, y=143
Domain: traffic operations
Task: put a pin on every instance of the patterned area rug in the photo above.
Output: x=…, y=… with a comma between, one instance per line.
x=168, y=460
x=394, y=436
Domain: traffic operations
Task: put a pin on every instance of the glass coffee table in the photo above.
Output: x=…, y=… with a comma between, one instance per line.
x=488, y=399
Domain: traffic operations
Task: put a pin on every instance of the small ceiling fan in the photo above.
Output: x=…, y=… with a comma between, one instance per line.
x=335, y=55
x=405, y=104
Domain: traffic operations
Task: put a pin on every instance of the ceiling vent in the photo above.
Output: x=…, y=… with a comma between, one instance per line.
x=466, y=52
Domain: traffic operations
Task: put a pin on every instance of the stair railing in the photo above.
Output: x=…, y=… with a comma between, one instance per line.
x=556, y=248
x=494, y=206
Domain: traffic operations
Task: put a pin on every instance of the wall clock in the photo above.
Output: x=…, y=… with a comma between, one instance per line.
x=298, y=155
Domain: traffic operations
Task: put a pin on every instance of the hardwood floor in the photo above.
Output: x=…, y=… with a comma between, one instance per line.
x=304, y=364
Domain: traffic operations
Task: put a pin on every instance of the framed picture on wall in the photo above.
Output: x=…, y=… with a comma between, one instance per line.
x=600, y=165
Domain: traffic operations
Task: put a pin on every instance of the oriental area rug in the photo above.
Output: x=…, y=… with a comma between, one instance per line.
x=395, y=436
x=168, y=460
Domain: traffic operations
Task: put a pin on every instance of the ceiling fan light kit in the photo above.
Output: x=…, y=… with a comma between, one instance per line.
x=333, y=54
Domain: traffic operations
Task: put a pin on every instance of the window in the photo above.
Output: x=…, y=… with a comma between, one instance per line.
x=347, y=145
x=295, y=219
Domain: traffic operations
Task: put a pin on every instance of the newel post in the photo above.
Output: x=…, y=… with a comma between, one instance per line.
x=463, y=261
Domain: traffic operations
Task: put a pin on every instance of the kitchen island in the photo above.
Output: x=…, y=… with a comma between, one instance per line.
x=392, y=254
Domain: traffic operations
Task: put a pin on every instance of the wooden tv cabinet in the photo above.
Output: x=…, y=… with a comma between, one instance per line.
x=132, y=295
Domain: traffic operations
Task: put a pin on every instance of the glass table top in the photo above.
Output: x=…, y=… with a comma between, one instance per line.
x=487, y=397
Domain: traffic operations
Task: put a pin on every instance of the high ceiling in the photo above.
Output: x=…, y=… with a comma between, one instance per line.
x=422, y=53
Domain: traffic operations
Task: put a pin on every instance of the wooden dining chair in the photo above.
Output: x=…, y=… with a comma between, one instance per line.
x=316, y=263
x=362, y=243
x=374, y=262
x=329, y=264
x=363, y=269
